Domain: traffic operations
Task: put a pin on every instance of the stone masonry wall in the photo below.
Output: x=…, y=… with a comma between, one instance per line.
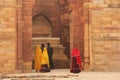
x=51, y=10
x=7, y=36
x=105, y=34
x=76, y=26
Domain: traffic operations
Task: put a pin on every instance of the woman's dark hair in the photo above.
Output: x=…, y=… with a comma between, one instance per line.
x=48, y=44
x=42, y=45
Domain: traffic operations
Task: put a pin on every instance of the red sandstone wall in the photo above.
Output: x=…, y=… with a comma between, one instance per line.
x=50, y=9
x=76, y=26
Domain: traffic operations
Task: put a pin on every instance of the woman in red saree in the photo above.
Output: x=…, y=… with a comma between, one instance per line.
x=76, y=61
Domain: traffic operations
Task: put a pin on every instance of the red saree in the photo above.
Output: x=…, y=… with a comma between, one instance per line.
x=76, y=61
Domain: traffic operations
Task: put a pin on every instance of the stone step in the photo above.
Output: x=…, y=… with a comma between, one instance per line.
x=38, y=76
x=28, y=79
x=61, y=64
x=40, y=79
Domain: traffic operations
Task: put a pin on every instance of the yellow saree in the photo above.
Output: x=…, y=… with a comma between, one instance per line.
x=38, y=58
x=45, y=58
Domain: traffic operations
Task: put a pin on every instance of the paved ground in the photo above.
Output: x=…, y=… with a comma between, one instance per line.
x=63, y=74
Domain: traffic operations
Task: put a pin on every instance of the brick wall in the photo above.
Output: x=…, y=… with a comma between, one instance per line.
x=7, y=36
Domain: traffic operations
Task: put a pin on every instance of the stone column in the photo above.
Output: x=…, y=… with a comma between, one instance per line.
x=87, y=37
x=77, y=26
x=19, y=25
x=27, y=36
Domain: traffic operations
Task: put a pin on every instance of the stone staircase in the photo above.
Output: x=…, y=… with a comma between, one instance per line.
x=59, y=58
x=58, y=74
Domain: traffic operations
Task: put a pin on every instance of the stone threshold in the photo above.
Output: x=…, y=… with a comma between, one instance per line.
x=38, y=76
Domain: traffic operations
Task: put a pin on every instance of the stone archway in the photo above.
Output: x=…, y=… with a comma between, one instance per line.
x=25, y=50
x=41, y=26
x=53, y=15
x=41, y=34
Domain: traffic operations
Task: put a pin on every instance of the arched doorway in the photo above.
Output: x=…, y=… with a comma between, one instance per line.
x=42, y=33
x=41, y=26
x=47, y=27
x=28, y=24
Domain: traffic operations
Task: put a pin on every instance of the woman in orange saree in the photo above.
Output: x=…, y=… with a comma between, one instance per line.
x=38, y=58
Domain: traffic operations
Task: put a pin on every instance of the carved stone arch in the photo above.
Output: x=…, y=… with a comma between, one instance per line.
x=41, y=26
x=24, y=34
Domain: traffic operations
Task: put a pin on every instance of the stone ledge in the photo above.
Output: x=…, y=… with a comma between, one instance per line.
x=42, y=38
x=54, y=46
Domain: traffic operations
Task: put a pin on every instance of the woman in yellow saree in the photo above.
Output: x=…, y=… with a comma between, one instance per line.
x=38, y=58
x=45, y=62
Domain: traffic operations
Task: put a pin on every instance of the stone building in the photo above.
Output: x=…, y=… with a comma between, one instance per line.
x=94, y=25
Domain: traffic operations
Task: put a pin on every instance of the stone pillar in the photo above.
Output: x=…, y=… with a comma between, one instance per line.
x=27, y=36
x=87, y=37
x=19, y=25
x=86, y=47
x=76, y=26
